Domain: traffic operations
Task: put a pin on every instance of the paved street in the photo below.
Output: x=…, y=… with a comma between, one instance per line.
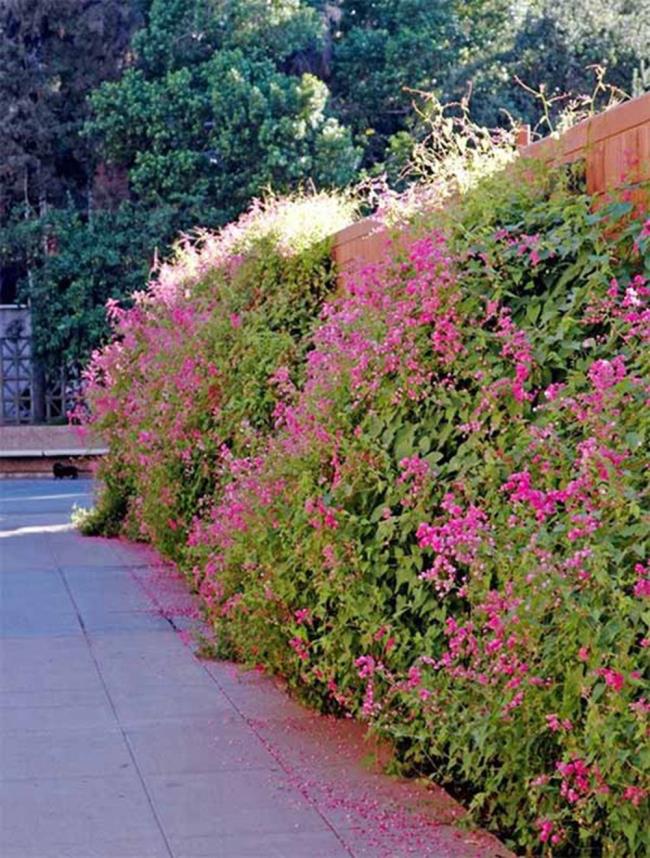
x=118, y=743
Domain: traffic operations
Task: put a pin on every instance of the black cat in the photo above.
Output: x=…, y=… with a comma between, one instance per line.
x=62, y=471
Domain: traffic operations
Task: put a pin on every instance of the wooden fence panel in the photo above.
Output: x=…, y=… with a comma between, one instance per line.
x=360, y=244
x=615, y=146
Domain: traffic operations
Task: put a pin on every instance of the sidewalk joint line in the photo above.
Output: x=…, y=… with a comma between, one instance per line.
x=285, y=768
x=115, y=715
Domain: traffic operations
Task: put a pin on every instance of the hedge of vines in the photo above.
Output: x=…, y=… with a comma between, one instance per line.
x=419, y=498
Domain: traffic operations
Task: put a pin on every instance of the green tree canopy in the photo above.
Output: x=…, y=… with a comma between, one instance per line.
x=209, y=115
x=555, y=44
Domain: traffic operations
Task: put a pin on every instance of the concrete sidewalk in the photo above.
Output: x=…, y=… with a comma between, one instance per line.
x=117, y=742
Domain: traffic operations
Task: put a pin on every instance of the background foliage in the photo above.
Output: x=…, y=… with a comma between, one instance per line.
x=152, y=117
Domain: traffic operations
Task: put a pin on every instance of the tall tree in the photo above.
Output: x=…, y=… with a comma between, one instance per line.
x=554, y=44
x=381, y=49
x=52, y=54
x=210, y=113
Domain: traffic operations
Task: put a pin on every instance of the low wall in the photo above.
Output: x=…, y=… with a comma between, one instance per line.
x=42, y=466
x=33, y=450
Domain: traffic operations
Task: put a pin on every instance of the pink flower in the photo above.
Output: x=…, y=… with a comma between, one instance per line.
x=553, y=391
x=642, y=586
x=414, y=677
x=520, y=489
x=516, y=701
x=415, y=471
x=612, y=678
x=366, y=666
x=299, y=646
x=635, y=794
x=323, y=516
x=329, y=556
x=604, y=374
x=456, y=541
x=545, y=828
x=557, y=724
x=642, y=589
x=576, y=779
x=280, y=376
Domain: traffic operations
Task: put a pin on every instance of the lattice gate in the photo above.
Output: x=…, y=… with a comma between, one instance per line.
x=62, y=391
x=16, y=379
x=27, y=395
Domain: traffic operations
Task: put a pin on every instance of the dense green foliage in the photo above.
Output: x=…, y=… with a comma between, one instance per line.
x=555, y=44
x=210, y=138
x=91, y=257
x=425, y=503
x=52, y=54
x=274, y=266
x=180, y=112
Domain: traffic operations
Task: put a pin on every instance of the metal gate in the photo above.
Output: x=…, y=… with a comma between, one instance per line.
x=27, y=395
x=16, y=377
x=62, y=392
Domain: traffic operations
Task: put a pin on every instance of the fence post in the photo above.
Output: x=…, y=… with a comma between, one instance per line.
x=523, y=136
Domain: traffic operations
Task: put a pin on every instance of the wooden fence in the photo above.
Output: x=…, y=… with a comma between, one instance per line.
x=614, y=145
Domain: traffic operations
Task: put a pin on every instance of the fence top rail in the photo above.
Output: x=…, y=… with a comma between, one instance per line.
x=355, y=231
x=596, y=129
x=630, y=116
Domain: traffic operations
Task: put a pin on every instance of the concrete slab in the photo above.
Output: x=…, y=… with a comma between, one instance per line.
x=123, y=622
x=132, y=848
x=42, y=592
x=198, y=745
x=104, y=591
x=311, y=741
x=253, y=694
x=295, y=844
x=144, y=659
x=56, y=710
x=25, y=552
x=83, y=752
x=78, y=817
x=72, y=549
x=157, y=706
x=47, y=663
x=229, y=803
x=25, y=623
